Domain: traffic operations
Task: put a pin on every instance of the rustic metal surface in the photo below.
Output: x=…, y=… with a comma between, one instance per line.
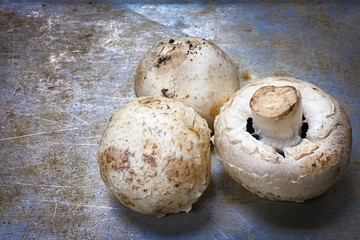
x=66, y=68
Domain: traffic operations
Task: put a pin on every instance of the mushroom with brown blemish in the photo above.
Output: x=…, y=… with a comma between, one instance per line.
x=155, y=156
x=191, y=70
x=283, y=139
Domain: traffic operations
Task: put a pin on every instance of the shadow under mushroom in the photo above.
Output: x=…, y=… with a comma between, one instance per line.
x=171, y=225
x=312, y=214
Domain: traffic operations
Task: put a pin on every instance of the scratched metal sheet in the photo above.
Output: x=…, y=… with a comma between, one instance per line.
x=66, y=68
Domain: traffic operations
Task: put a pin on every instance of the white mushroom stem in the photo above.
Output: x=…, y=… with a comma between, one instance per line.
x=277, y=115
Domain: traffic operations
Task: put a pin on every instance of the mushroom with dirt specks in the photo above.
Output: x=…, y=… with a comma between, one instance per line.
x=283, y=139
x=191, y=70
x=155, y=156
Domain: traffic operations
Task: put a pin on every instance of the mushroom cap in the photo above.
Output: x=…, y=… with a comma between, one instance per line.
x=155, y=156
x=307, y=169
x=191, y=70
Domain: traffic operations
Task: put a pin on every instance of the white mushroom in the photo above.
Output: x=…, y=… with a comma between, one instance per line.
x=275, y=164
x=155, y=156
x=191, y=70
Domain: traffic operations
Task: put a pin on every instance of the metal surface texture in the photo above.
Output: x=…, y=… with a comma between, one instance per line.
x=65, y=68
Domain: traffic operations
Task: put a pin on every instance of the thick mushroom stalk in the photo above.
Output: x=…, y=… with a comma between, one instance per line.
x=277, y=115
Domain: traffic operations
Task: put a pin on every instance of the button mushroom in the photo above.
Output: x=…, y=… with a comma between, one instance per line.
x=283, y=139
x=191, y=70
x=155, y=156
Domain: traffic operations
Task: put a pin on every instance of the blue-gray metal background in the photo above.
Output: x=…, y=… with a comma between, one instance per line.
x=66, y=67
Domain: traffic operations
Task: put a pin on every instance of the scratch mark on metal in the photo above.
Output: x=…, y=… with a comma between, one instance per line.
x=55, y=208
x=212, y=236
x=78, y=118
x=246, y=222
x=47, y=120
x=37, y=134
x=120, y=98
x=89, y=205
x=108, y=219
x=61, y=110
x=101, y=218
x=41, y=185
x=75, y=144
x=222, y=232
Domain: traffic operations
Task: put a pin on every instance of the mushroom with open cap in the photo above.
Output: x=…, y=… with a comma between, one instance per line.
x=283, y=139
x=191, y=70
x=155, y=156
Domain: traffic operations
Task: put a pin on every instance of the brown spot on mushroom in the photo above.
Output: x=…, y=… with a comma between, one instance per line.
x=191, y=146
x=149, y=159
x=179, y=170
x=196, y=132
x=324, y=159
x=149, y=100
x=167, y=94
x=117, y=159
